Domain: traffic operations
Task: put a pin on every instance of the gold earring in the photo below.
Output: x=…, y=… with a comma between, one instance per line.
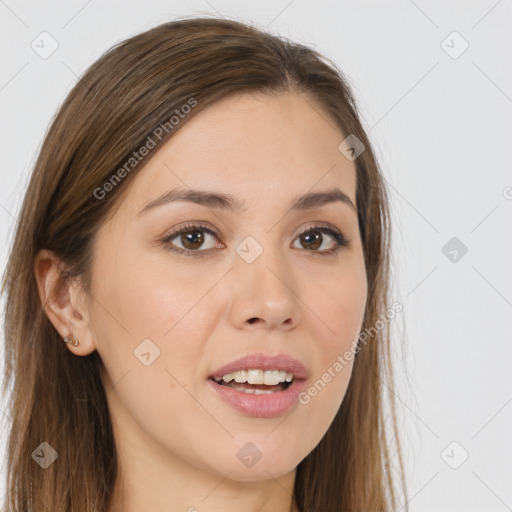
x=71, y=340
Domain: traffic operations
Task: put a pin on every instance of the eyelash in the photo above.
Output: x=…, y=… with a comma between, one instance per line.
x=340, y=239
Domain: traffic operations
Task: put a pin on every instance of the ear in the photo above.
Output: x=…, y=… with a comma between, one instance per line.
x=65, y=304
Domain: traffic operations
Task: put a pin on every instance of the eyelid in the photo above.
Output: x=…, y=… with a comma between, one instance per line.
x=191, y=226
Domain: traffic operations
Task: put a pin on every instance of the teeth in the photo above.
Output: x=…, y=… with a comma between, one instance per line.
x=271, y=377
x=255, y=376
x=254, y=391
x=240, y=376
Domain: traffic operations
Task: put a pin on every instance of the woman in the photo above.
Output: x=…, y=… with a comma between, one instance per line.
x=197, y=286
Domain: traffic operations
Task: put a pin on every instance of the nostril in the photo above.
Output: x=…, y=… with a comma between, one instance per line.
x=252, y=320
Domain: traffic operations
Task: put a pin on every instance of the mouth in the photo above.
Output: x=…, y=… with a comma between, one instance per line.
x=260, y=386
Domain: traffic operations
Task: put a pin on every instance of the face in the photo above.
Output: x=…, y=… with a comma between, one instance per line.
x=170, y=309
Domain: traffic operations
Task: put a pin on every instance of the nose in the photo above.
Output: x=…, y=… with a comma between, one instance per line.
x=264, y=293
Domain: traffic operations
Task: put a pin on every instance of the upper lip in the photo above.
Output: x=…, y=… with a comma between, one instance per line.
x=282, y=362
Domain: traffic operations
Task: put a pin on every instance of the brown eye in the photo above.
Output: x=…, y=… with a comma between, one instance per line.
x=191, y=238
x=313, y=238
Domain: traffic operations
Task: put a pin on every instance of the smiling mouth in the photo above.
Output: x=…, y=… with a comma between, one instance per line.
x=259, y=393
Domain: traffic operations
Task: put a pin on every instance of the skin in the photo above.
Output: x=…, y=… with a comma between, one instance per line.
x=177, y=441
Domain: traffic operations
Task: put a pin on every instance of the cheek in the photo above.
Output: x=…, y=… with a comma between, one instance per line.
x=156, y=315
x=142, y=300
x=340, y=305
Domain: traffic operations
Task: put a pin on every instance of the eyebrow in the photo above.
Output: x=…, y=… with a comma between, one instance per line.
x=230, y=203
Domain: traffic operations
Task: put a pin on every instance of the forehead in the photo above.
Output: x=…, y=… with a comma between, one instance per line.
x=258, y=148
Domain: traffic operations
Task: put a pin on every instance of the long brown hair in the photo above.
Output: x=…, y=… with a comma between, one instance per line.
x=127, y=94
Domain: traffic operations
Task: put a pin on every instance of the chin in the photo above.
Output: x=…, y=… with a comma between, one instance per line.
x=258, y=472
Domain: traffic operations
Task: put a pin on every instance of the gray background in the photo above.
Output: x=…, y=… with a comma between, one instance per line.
x=440, y=123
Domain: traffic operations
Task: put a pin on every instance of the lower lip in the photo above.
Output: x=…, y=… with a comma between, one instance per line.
x=267, y=405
